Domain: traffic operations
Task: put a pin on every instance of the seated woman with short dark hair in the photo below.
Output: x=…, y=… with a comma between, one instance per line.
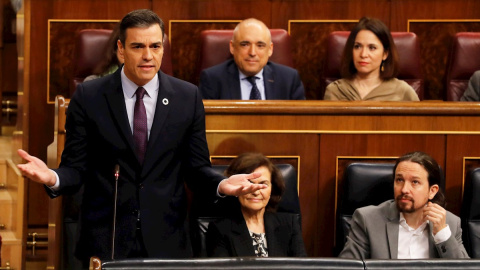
x=369, y=66
x=254, y=228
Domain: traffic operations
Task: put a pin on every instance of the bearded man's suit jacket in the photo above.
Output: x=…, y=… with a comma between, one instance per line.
x=374, y=235
x=99, y=137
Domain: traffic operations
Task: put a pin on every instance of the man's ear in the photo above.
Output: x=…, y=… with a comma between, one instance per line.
x=271, y=49
x=120, y=48
x=231, y=47
x=433, y=191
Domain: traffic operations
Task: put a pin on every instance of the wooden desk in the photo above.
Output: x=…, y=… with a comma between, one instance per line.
x=323, y=137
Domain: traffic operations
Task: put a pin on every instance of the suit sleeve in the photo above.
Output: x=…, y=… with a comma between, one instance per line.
x=201, y=177
x=297, y=245
x=298, y=92
x=216, y=242
x=453, y=248
x=205, y=86
x=74, y=155
x=357, y=245
x=473, y=90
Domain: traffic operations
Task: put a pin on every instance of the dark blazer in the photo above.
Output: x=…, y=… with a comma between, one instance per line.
x=473, y=90
x=99, y=137
x=222, y=82
x=230, y=237
x=374, y=235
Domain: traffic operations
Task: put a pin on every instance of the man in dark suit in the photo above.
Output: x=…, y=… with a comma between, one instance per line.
x=153, y=127
x=249, y=75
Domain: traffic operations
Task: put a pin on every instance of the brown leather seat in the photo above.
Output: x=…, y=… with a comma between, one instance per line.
x=462, y=63
x=89, y=48
x=408, y=51
x=215, y=48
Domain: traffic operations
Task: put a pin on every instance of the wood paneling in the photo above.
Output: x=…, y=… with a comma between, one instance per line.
x=328, y=10
x=459, y=148
x=310, y=38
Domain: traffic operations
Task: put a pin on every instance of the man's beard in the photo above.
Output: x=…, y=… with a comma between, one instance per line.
x=404, y=208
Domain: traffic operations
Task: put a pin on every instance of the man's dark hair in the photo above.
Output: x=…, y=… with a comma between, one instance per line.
x=139, y=18
x=249, y=162
x=432, y=168
x=380, y=30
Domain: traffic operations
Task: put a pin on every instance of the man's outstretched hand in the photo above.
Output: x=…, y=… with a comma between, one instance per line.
x=35, y=169
x=239, y=184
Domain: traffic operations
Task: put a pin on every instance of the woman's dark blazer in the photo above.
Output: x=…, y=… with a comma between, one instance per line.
x=230, y=237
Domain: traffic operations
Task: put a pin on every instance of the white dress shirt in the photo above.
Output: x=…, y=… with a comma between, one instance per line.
x=413, y=243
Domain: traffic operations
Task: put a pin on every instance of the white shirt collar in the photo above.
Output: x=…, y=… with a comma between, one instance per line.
x=259, y=75
x=419, y=230
x=130, y=87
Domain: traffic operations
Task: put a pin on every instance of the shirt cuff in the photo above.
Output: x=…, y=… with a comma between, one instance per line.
x=57, y=183
x=442, y=235
x=218, y=193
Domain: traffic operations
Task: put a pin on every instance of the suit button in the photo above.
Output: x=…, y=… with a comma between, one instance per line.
x=444, y=249
x=140, y=186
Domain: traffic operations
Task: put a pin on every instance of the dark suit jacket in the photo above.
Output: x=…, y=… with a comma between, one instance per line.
x=222, y=82
x=99, y=136
x=230, y=237
x=473, y=90
x=374, y=235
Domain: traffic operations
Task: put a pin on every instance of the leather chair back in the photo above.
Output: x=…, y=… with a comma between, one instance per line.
x=409, y=59
x=215, y=48
x=363, y=184
x=89, y=47
x=206, y=213
x=471, y=215
x=462, y=63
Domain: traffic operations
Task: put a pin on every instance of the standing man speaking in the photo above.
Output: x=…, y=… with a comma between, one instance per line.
x=152, y=128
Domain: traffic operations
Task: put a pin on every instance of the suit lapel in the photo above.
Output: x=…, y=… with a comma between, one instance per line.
x=116, y=103
x=234, y=90
x=165, y=96
x=269, y=82
x=431, y=242
x=392, y=216
x=242, y=242
x=274, y=244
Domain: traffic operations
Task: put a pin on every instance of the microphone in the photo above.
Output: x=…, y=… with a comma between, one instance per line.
x=116, y=174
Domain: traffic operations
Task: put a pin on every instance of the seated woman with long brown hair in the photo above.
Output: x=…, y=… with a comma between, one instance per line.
x=369, y=66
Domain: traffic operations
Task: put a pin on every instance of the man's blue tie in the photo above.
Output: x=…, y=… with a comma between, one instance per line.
x=255, y=93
